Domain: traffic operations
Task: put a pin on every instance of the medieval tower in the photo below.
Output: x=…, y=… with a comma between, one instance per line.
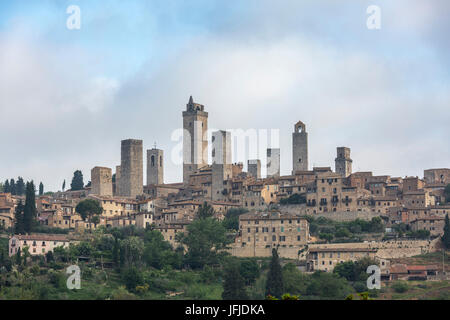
x=101, y=181
x=195, y=139
x=131, y=168
x=343, y=162
x=273, y=163
x=299, y=148
x=222, y=167
x=254, y=168
x=155, y=166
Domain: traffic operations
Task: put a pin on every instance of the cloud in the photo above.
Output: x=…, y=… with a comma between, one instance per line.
x=382, y=94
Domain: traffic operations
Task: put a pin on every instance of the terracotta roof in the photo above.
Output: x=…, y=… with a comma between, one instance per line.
x=399, y=268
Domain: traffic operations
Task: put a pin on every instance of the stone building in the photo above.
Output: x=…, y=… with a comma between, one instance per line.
x=325, y=259
x=433, y=224
x=116, y=182
x=299, y=148
x=267, y=230
x=343, y=162
x=155, y=166
x=37, y=244
x=273, y=163
x=254, y=168
x=131, y=168
x=437, y=176
x=195, y=140
x=101, y=179
x=222, y=164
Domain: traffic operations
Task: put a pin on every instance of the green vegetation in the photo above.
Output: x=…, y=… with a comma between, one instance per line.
x=329, y=230
x=231, y=221
x=446, y=235
x=319, y=285
x=274, y=285
x=355, y=272
x=89, y=209
x=296, y=198
x=16, y=188
x=447, y=193
x=77, y=181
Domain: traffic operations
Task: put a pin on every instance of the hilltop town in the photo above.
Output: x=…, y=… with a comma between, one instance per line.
x=318, y=217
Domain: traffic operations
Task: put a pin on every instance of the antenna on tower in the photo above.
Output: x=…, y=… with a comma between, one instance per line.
x=154, y=145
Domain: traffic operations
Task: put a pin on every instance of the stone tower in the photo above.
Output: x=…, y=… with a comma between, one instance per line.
x=273, y=163
x=195, y=139
x=299, y=148
x=254, y=168
x=131, y=168
x=101, y=179
x=222, y=167
x=343, y=162
x=155, y=166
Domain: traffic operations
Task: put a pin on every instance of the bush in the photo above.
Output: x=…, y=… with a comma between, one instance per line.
x=359, y=286
x=400, y=286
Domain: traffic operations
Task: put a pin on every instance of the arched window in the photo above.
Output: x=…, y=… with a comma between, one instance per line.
x=153, y=161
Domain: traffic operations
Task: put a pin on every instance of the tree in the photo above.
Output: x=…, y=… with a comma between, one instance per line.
x=447, y=193
x=12, y=187
x=29, y=212
x=446, y=235
x=6, y=187
x=274, y=285
x=206, y=240
x=249, y=270
x=77, y=181
x=20, y=187
x=233, y=285
x=131, y=252
x=205, y=211
x=231, y=221
x=88, y=209
x=64, y=185
x=18, y=217
x=41, y=189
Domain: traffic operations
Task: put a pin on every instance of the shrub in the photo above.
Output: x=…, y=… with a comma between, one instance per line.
x=400, y=286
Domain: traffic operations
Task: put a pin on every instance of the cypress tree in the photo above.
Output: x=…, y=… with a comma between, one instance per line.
x=6, y=187
x=64, y=185
x=77, y=181
x=12, y=187
x=234, y=284
x=274, y=286
x=29, y=212
x=41, y=189
x=446, y=235
x=20, y=187
x=18, y=215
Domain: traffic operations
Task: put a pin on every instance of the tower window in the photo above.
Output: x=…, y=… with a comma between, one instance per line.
x=153, y=161
x=300, y=160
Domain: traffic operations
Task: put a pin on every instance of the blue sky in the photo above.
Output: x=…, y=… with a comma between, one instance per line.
x=130, y=69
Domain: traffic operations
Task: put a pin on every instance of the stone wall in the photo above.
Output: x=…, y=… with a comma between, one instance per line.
x=337, y=216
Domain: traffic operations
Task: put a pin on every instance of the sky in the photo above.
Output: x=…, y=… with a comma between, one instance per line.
x=68, y=97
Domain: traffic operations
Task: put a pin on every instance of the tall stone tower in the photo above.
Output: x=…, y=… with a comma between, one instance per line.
x=299, y=148
x=131, y=169
x=254, y=168
x=101, y=179
x=155, y=166
x=195, y=140
x=273, y=163
x=343, y=162
x=222, y=167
